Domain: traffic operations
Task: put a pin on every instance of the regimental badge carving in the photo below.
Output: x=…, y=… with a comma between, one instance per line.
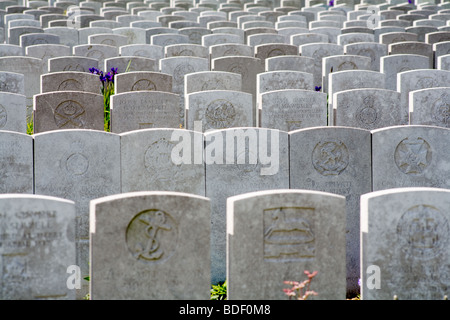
x=180, y=71
x=3, y=116
x=238, y=68
x=275, y=52
x=96, y=54
x=156, y=160
x=184, y=53
x=330, y=158
x=425, y=83
x=440, y=111
x=143, y=84
x=77, y=164
x=289, y=234
x=152, y=236
x=69, y=113
x=70, y=85
x=423, y=232
x=76, y=67
x=220, y=114
x=368, y=115
x=412, y=156
x=347, y=65
x=109, y=42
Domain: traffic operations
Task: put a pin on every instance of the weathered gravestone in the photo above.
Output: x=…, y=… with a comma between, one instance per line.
x=341, y=63
x=369, y=108
x=212, y=80
x=393, y=64
x=142, y=80
x=79, y=165
x=410, y=156
x=430, y=107
x=292, y=109
x=368, y=49
x=274, y=236
x=12, y=82
x=405, y=244
x=219, y=109
x=317, y=51
x=13, y=112
x=16, y=156
x=247, y=67
x=337, y=160
x=131, y=63
x=37, y=247
x=47, y=51
x=289, y=62
x=259, y=164
x=72, y=63
x=70, y=81
x=146, y=109
x=408, y=81
x=352, y=79
x=68, y=110
x=150, y=245
x=163, y=160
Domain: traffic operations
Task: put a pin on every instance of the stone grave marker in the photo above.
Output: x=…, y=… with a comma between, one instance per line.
x=290, y=63
x=317, y=51
x=130, y=63
x=70, y=81
x=292, y=109
x=13, y=112
x=37, y=247
x=96, y=51
x=163, y=160
x=408, y=81
x=369, y=108
x=218, y=109
x=404, y=242
x=146, y=109
x=179, y=224
x=337, y=160
x=230, y=49
x=109, y=39
x=212, y=80
x=142, y=80
x=341, y=63
x=410, y=156
x=12, y=82
x=47, y=51
x=68, y=110
x=391, y=65
x=246, y=168
x=188, y=49
x=274, y=235
x=149, y=51
x=430, y=107
x=16, y=157
x=71, y=63
x=412, y=47
x=78, y=165
x=247, y=67
x=372, y=50
x=352, y=79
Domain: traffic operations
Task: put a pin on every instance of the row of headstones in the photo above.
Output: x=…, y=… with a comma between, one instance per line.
x=155, y=245
x=356, y=98
x=82, y=165
x=239, y=24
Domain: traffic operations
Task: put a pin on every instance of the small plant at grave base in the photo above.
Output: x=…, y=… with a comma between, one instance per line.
x=301, y=290
x=30, y=123
x=107, y=90
x=219, y=291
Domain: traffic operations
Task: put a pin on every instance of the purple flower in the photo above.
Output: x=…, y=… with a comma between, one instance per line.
x=318, y=88
x=331, y=3
x=114, y=71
